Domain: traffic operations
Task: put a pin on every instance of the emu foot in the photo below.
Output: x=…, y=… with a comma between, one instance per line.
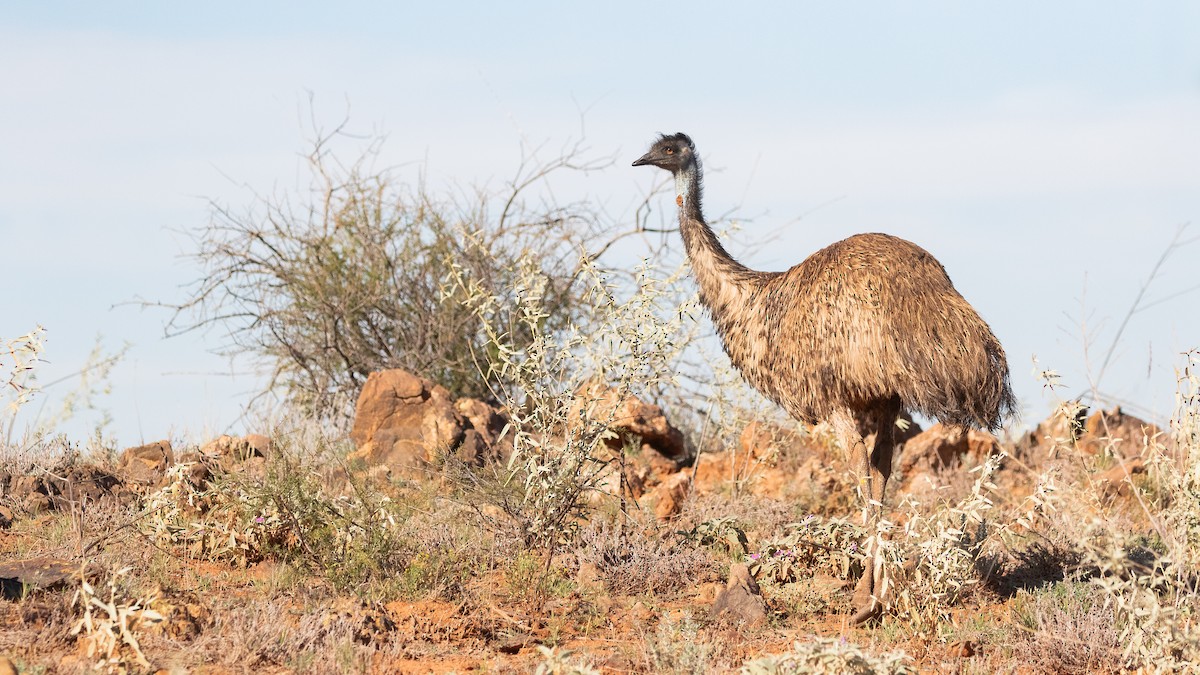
x=868, y=594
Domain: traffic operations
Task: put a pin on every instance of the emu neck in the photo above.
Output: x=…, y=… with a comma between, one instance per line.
x=723, y=281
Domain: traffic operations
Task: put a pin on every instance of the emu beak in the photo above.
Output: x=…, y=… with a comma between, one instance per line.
x=643, y=160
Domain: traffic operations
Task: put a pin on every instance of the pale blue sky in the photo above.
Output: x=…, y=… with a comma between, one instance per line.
x=1044, y=152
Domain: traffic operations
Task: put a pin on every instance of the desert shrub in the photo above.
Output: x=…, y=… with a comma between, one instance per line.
x=1155, y=590
x=1145, y=581
x=299, y=510
x=828, y=656
x=325, y=284
x=677, y=647
x=561, y=427
x=723, y=534
x=939, y=553
x=110, y=624
x=1070, y=628
x=813, y=545
x=632, y=561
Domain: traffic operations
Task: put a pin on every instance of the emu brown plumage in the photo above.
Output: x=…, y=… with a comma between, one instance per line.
x=856, y=334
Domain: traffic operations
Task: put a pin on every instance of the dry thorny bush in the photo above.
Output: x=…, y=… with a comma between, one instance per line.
x=331, y=281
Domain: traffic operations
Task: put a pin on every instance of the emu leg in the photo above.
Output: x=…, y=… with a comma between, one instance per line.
x=875, y=465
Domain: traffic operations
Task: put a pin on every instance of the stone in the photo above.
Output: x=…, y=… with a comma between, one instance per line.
x=22, y=486
x=742, y=600
x=84, y=484
x=6, y=517
x=410, y=424
x=232, y=450
x=943, y=447
x=963, y=649
x=146, y=463
x=1115, y=433
x=1116, y=480
x=36, y=503
x=7, y=667
x=671, y=495
x=630, y=418
x=763, y=441
x=256, y=445
x=485, y=419
x=1112, y=432
x=17, y=577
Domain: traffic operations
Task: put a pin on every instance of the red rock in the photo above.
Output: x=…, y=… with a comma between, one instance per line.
x=630, y=418
x=147, y=463
x=408, y=423
x=672, y=494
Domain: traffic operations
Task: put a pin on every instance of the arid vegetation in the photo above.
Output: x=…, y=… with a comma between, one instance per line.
x=498, y=451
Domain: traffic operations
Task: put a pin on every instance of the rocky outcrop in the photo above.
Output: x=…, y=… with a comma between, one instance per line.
x=942, y=447
x=1111, y=432
x=409, y=423
x=231, y=450
x=66, y=487
x=941, y=456
x=670, y=495
x=146, y=464
x=1115, y=432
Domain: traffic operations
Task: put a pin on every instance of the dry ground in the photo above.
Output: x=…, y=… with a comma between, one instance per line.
x=181, y=579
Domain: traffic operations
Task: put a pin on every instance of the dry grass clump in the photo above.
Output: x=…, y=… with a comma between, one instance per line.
x=1069, y=629
x=359, y=535
x=678, y=647
x=635, y=561
x=559, y=661
x=317, y=638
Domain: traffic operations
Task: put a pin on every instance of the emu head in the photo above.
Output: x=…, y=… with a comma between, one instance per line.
x=673, y=153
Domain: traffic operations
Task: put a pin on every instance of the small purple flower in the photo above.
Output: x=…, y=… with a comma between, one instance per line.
x=260, y=520
x=754, y=556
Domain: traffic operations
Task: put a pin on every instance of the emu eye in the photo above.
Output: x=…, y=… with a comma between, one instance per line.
x=670, y=151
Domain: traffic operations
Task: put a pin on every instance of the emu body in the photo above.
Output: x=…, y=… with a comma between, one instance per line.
x=859, y=332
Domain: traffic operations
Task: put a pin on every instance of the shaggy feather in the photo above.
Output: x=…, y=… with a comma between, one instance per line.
x=859, y=332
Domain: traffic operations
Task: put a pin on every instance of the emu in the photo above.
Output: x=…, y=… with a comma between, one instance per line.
x=856, y=334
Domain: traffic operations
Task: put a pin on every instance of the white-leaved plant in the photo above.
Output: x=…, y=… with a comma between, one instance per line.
x=829, y=656
x=1146, y=578
x=560, y=423
x=109, y=627
x=1157, y=600
x=17, y=362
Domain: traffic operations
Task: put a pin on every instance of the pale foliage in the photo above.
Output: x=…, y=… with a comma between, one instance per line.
x=109, y=627
x=829, y=656
x=559, y=433
x=558, y=661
